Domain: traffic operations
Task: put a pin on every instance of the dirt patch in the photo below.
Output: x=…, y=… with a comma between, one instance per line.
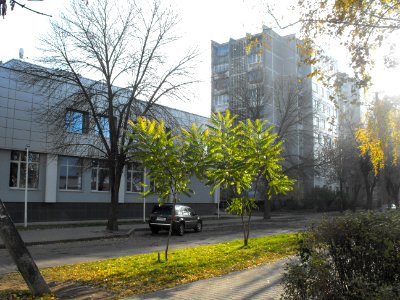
x=15, y=286
x=79, y=291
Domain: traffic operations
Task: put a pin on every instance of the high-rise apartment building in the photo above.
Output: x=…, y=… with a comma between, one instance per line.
x=264, y=76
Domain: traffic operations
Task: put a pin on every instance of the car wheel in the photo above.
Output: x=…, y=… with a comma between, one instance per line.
x=154, y=230
x=199, y=227
x=181, y=229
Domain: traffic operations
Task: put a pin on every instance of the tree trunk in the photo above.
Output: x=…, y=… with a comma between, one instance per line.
x=248, y=228
x=244, y=229
x=341, y=196
x=170, y=229
x=267, y=209
x=115, y=180
x=356, y=190
x=20, y=254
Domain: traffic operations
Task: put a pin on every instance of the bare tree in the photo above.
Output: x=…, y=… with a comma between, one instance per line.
x=4, y=7
x=341, y=166
x=247, y=100
x=118, y=44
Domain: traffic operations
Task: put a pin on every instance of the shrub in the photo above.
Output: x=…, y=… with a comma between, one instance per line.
x=321, y=199
x=355, y=256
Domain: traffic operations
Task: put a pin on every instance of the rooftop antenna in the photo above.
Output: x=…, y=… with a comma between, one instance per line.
x=21, y=53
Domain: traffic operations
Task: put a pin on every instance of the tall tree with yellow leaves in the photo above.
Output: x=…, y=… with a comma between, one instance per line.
x=379, y=142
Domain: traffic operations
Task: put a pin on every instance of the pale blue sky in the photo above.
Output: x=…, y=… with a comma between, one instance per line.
x=201, y=22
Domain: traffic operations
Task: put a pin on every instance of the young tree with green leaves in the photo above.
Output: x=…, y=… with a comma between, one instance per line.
x=171, y=159
x=239, y=157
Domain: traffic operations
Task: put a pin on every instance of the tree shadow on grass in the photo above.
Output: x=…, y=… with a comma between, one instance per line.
x=79, y=291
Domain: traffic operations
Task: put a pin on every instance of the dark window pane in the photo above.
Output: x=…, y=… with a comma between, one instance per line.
x=74, y=178
x=14, y=155
x=33, y=176
x=94, y=180
x=63, y=178
x=104, y=180
x=137, y=179
x=104, y=125
x=14, y=175
x=76, y=121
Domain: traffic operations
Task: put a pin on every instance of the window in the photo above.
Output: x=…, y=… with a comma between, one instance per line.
x=221, y=68
x=222, y=50
x=320, y=138
x=70, y=173
x=255, y=76
x=254, y=58
x=316, y=122
x=135, y=178
x=221, y=100
x=18, y=170
x=105, y=126
x=315, y=88
x=100, y=176
x=76, y=121
x=221, y=84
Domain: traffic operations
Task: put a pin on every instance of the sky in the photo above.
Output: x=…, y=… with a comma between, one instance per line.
x=200, y=22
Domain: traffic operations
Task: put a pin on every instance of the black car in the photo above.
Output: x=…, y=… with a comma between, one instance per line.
x=184, y=218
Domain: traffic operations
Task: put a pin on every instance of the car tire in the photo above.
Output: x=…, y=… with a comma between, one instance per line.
x=199, y=227
x=154, y=230
x=181, y=229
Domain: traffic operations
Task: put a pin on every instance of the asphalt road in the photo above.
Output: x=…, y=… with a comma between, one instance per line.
x=145, y=242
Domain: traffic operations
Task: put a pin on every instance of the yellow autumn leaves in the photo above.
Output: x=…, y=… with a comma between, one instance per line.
x=379, y=140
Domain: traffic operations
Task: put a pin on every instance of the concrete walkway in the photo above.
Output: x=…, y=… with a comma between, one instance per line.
x=261, y=283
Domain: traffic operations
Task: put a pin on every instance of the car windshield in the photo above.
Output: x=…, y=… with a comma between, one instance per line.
x=164, y=209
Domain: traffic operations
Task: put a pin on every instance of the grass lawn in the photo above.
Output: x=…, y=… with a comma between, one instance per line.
x=138, y=274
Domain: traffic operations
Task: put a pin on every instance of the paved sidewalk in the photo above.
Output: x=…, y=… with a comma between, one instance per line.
x=261, y=283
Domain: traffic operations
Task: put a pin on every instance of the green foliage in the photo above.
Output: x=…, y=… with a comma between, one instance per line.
x=356, y=256
x=169, y=160
x=241, y=154
x=322, y=199
x=241, y=206
x=139, y=274
x=224, y=159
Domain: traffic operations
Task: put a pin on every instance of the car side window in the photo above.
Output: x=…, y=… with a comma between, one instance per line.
x=191, y=212
x=181, y=211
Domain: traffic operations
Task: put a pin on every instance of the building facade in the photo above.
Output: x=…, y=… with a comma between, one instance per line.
x=263, y=76
x=67, y=186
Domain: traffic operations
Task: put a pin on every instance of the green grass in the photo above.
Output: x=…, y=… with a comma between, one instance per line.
x=140, y=274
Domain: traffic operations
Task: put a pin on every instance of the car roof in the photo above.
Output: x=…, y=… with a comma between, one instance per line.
x=171, y=204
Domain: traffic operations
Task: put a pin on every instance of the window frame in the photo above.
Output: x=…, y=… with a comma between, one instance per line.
x=70, y=125
x=33, y=161
x=80, y=166
x=101, y=165
x=130, y=171
x=105, y=126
